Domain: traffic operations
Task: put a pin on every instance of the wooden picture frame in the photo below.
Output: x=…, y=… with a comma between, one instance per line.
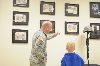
x=71, y=27
x=19, y=36
x=95, y=34
x=47, y=8
x=95, y=9
x=21, y=3
x=20, y=18
x=53, y=25
x=71, y=9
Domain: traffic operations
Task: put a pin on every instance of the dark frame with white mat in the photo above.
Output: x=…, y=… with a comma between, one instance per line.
x=19, y=36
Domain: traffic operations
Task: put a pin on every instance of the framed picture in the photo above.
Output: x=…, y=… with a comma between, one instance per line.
x=71, y=27
x=53, y=25
x=19, y=36
x=95, y=34
x=95, y=9
x=47, y=8
x=20, y=18
x=21, y=3
x=71, y=9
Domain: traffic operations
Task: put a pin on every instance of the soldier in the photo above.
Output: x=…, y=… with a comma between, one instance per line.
x=38, y=52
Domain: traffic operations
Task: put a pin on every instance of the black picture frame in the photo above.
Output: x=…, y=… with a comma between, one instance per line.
x=95, y=9
x=53, y=25
x=20, y=18
x=47, y=8
x=19, y=36
x=71, y=9
x=72, y=28
x=95, y=34
x=21, y=3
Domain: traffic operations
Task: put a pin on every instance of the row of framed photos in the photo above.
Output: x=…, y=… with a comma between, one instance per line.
x=48, y=8
x=71, y=28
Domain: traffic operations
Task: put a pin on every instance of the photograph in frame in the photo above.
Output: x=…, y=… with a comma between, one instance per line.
x=95, y=9
x=47, y=8
x=95, y=34
x=21, y=3
x=71, y=27
x=20, y=18
x=19, y=36
x=71, y=9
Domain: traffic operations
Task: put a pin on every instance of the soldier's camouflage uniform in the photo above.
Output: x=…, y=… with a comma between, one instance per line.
x=38, y=55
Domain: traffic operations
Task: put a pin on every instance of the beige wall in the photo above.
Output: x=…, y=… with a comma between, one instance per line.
x=18, y=54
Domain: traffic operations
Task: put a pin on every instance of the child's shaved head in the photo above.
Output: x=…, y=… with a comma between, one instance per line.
x=70, y=47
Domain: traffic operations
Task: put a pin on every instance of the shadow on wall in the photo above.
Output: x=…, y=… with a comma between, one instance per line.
x=81, y=44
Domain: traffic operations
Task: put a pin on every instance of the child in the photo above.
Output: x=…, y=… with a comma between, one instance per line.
x=71, y=58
